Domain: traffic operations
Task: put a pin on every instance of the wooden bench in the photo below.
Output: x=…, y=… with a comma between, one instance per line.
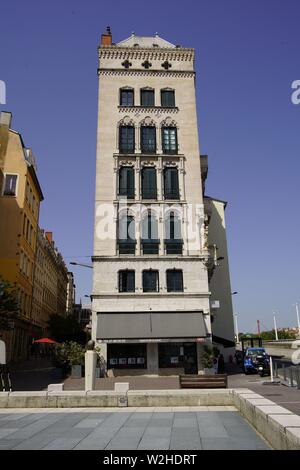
x=203, y=381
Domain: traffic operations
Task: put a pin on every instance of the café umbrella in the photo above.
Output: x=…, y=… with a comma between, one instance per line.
x=45, y=340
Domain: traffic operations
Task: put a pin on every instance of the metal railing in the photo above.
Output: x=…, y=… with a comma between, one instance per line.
x=288, y=372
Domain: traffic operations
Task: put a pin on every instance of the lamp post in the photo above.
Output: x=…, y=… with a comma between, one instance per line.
x=298, y=321
x=275, y=327
x=80, y=264
x=236, y=328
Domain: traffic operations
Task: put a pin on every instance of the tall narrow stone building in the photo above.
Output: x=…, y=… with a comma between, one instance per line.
x=152, y=255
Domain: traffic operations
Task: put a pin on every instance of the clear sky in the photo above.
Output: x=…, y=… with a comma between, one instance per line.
x=247, y=56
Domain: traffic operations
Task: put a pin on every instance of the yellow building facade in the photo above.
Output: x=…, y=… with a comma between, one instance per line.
x=28, y=257
x=20, y=200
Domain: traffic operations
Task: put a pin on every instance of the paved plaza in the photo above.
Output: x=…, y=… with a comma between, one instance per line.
x=187, y=428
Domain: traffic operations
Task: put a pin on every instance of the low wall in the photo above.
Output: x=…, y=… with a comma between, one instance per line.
x=279, y=426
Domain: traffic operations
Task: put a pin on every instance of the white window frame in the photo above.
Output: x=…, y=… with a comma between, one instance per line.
x=4, y=182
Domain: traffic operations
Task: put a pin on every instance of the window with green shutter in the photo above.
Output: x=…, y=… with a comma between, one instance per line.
x=174, y=280
x=171, y=183
x=149, y=189
x=126, y=281
x=148, y=139
x=126, y=139
x=126, y=182
x=168, y=98
x=147, y=97
x=150, y=281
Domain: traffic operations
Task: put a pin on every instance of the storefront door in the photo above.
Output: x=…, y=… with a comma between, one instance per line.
x=190, y=358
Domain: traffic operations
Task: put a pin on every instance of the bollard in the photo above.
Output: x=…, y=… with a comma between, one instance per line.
x=284, y=371
x=276, y=369
x=292, y=378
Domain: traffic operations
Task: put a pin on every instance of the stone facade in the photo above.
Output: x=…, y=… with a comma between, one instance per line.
x=153, y=65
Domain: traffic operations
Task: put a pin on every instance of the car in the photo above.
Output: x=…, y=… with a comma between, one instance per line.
x=255, y=360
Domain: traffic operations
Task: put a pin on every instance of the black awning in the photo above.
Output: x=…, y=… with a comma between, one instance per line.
x=139, y=325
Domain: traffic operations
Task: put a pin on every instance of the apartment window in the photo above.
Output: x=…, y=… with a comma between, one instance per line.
x=127, y=235
x=10, y=185
x=126, y=281
x=150, y=281
x=150, y=241
x=169, y=140
x=168, y=98
x=171, y=183
x=149, y=189
x=126, y=139
x=148, y=139
x=126, y=97
x=174, y=280
x=173, y=240
x=147, y=97
x=126, y=182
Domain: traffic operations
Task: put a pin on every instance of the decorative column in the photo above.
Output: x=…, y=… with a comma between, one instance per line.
x=138, y=234
x=161, y=231
x=181, y=180
x=137, y=179
x=159, y=180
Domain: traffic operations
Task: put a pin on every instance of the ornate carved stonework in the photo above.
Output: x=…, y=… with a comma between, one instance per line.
x=126, y=64
x=115, y=52
x=168, y=122
x=126, y=121
x=157, y=73
x=148, y=121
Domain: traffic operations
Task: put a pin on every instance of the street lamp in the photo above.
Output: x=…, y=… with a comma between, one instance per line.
x=236, y=328
x=298, y=321
x=80, y=264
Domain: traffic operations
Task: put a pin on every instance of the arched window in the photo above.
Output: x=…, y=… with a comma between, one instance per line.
x=149, y=232
x=173, y=237
x=126, y=235
x=126, y=139
x=169, y=140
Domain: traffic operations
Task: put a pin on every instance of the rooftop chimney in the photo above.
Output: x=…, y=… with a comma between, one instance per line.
x=49, y=236
x=106, y=38
x=5, y=118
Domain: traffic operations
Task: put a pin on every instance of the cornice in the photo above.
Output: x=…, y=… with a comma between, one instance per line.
x=157, y=110
x=137, y=72
x=116, y=52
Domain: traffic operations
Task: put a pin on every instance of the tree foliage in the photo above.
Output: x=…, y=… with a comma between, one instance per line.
x=9, y=305
x=63, y=329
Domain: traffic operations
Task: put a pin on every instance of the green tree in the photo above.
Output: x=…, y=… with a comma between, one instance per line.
x=9, y=305
x=63, y=329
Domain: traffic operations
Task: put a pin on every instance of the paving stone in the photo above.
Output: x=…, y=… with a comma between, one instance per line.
x=6, y=431
x=121, y=443
x=64, y=443
x=184, y=443
x=217, y=431
x=89, y=423
x=162, y=431
x=149, y=443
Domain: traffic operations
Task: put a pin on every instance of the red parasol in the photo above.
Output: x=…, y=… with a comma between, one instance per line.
x=45, y=340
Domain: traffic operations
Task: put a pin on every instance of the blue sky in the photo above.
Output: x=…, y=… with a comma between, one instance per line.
x=247, y=56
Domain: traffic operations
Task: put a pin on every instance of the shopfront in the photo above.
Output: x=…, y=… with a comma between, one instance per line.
x=152, y=341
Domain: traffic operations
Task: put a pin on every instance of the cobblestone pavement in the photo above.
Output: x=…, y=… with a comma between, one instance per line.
x=190, y=428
